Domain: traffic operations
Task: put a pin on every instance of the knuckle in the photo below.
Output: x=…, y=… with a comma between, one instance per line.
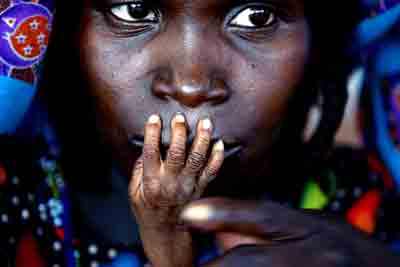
x=176, y=154
x=210, y=172
x=150, y=150
x=196, y=160
x=204, y=139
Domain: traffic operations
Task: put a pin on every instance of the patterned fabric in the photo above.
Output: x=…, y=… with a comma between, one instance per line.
x=359, y=188
x=377, y=42
x=25, y=28
x=24, y=35
x=36, y=204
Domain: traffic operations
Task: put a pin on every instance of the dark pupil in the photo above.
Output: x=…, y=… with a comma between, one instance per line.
x=259, y=17
x=138, y=11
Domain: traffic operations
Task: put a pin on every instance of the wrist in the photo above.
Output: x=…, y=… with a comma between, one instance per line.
x=168, y=249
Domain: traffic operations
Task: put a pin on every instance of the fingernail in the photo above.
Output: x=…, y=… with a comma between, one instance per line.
x=197, y=213
x=219, y=145
x=206, y=124
x=154, y=119
x=179, y=118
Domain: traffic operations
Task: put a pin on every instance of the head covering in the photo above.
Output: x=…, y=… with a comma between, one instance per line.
x=25, y=28
x=377, y=43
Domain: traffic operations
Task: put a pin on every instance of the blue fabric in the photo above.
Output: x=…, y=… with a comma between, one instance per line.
x=15, y=99
x=125, y=260
x=373, y=29
x=396, y=246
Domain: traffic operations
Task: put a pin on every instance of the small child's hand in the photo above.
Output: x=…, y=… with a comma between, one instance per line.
x=160, y=188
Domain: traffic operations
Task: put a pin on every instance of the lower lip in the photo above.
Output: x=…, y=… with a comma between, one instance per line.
x=232, y=150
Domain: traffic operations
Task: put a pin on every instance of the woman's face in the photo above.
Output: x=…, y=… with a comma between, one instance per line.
x=235, y=61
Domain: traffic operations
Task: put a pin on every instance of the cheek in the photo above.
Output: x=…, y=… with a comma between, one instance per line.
x=267, y=79
x=114, y=69
x=112, y=76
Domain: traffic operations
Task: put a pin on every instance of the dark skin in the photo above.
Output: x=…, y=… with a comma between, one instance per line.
x=204, y=59
x=263, y=233
x=193, y=62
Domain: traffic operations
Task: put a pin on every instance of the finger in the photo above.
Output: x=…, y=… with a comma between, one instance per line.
x=198, y=153
x=135, y=183
x=211, y=169
x=226, y=241
x=259, y=218
x=137, y=172
x=175, y=160
x=151, y=147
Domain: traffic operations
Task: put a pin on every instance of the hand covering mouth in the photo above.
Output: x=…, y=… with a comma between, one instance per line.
x=232, y=146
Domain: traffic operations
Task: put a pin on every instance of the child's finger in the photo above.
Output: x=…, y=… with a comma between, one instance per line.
x=211, y=169
x=136, y=179
x=175, y=160
x=151, y=147
x=198, y=153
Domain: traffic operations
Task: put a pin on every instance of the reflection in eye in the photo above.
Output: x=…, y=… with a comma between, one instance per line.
x=254, y=17
x=134, y=12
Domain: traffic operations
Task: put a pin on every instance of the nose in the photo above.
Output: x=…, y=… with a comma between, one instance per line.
x=190, y=88
x=194, y=72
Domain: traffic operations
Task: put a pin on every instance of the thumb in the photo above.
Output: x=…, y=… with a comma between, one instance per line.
x=264, y=219
x=221, y=215
x=226, y=241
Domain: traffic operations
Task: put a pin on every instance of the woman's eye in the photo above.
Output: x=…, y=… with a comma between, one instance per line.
x=134, y=12
x=254, y=17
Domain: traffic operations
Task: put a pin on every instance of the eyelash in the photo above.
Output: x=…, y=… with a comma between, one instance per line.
x=253, y=9
x=118, y=10
x=120, y=13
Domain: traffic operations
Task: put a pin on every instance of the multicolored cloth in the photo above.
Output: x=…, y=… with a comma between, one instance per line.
x=37, y=224
x=25, y=28
x=377, y=44
x=36, y=221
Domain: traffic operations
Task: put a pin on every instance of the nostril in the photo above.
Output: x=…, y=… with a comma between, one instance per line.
x=218, y=96
x=219, y=92
x=162, y=90
x=189, y=88
x=161, y=87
